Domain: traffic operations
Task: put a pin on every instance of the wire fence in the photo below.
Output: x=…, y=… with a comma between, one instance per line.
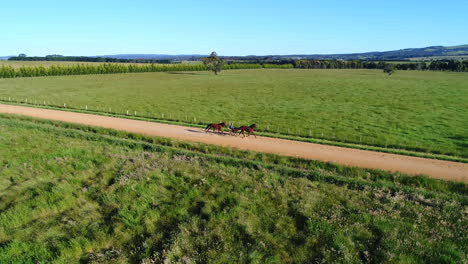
x=316, y=131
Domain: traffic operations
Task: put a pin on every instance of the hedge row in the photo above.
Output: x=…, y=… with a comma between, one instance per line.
x=108, y=68
x=441, y=65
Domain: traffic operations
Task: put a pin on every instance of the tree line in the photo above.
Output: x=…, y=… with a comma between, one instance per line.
x=108, y=68
x=252, y=62
x=441, y=65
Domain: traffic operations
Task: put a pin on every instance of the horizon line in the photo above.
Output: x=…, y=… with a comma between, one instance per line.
x=198, y=54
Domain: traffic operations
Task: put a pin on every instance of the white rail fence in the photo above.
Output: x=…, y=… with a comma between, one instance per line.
x=320, y=131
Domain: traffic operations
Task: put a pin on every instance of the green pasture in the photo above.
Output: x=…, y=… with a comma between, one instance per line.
x=432, y=58
x=77, y=194
x=423, y=111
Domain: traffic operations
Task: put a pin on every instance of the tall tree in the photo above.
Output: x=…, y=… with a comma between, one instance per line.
x=213, y=63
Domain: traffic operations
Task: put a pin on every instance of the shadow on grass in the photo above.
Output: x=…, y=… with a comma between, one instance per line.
x=461, y=141
x=208, y=132
x=185, y=73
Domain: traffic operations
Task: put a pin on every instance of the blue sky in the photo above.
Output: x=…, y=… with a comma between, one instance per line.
x=229, y=27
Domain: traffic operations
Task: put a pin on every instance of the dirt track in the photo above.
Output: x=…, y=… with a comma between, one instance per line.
x=360, y=158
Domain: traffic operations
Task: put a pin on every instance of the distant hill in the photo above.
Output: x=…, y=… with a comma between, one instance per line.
x=5, y=57
x=154, y=56
x=428, y=53
x=439, y=52
x=403, y=54
x=409, y=53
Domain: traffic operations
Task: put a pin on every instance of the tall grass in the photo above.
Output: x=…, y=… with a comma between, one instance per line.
x=81, y=194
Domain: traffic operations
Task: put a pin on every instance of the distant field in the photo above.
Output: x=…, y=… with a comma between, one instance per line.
x=426, y=111
x=402, y=61
x=18, y=64
x=461, y=57
x=75, y=194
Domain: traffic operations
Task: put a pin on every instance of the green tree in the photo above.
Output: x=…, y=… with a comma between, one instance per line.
x=213, y=62
x=22, y=55
x=389, y=68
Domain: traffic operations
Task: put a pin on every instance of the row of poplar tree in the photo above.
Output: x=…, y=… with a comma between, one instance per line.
x=107, y=68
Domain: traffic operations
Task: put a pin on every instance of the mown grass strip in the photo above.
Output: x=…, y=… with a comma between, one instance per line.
x=266, y=134
x=393, y=182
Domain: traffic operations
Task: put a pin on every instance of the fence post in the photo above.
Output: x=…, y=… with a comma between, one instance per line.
x=135, y=113
x=86, y=107
x=127, y=112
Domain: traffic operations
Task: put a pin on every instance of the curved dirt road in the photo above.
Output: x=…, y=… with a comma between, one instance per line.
x=353, y=157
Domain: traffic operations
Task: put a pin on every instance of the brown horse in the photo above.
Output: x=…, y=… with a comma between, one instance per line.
x=249, y=129
x=215, y=126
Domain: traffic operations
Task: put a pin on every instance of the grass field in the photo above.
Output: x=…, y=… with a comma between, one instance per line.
x=424, y=111
x=72, y=193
